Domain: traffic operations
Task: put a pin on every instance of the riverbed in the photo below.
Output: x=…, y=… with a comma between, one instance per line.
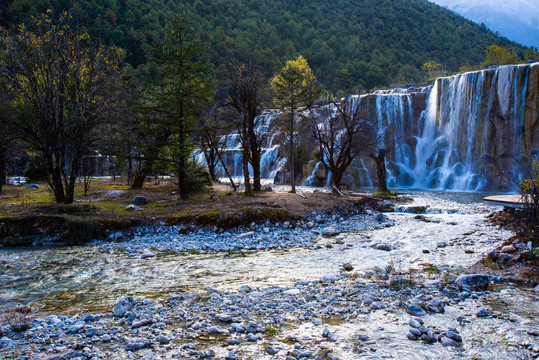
x=295, y=272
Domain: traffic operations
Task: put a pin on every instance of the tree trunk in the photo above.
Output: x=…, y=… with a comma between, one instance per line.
x=381, y=170
x=292, y=173
x=257, y=186
x=182, y=165
x=2, y=172
x=337, y=178
x=245, y=157
x=139, y=175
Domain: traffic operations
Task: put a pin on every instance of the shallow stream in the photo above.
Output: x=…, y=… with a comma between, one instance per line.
x=451, y=234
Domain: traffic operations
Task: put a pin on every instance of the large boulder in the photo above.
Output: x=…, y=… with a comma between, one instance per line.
x=139, y=201
x=472, y=282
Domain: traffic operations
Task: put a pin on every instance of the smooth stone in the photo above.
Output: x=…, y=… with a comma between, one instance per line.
x=415, y=310
x=148, y=254
x=136, y=344
x=472, y=282
x=454, y=336
x=77, y=326
x=482, y=313
x=271, y=350
x=416, y=323
x=163, y=339
x=141, y=323
x=123, y=306
x=509, y=249
x=383, y=247
x=330, y=231
x=445, y=341
x=331, y=277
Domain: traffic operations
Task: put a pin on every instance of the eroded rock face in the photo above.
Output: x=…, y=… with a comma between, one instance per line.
x=464, y=132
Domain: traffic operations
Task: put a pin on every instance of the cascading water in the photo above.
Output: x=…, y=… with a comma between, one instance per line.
x=468, y=132
x=477, y=129
x=232, y=151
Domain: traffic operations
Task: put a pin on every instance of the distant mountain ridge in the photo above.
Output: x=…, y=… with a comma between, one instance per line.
x=350, y=44
x=517, y=20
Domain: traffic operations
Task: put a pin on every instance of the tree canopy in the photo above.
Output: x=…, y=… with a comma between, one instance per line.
x=350, y=44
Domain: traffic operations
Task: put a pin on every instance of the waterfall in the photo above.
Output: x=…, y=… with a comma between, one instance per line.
x=473, y=128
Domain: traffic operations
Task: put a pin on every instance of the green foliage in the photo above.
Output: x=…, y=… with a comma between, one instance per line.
x=499, y=55
x=350, y=44
x=35, y=170
x=197, y=178
x=531, y=54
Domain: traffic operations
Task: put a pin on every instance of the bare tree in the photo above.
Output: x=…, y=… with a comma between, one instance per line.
x=342, y=136
x=247, y=94
x=59, y=80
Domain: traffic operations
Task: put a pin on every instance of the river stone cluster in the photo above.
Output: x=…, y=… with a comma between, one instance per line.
x=266, y=236
x=303, y=321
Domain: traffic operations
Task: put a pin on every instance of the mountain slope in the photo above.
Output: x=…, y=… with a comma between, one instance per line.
x=350, y=44
x=518, y=20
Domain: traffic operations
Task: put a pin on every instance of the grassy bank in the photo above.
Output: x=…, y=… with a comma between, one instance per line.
x=26, y=214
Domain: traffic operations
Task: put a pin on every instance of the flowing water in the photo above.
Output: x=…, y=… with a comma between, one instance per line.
x=73, y=279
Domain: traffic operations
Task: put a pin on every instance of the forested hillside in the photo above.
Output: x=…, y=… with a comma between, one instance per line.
x=350, y=44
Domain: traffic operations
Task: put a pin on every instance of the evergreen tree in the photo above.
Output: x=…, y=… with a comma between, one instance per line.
x=295, y=87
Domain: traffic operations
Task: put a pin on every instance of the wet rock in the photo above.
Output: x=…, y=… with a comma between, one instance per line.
x=425, y=251
x=136, y=344
x=348, y=267
x=472, y=282
x=141, y=323
x=415, y=310
x=493, y=255
x=533, y=332
x=139, y=201
x=330, y=231
x=411, y=336
x=383, y=247
x=415, y=209
x=445, y=341
x=481, y=313
x=91, y=332
x=331, y=277
x=163, y=339
x=246, y=234
x=147, y=254
x=123, y=306
x=6, y=342
x=76, y=327
x=328, y=335
x=381, y=217
x=454, y=336
x=441, y=244
x=223, y=317
x=32, y=187
x=271, y=350
x=416, y=323
x=416, y=332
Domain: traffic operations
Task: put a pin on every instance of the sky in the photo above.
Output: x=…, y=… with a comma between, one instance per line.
x=517, y=20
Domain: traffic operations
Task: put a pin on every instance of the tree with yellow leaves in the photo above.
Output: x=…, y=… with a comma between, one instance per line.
x=294, y=87
x=58, y=80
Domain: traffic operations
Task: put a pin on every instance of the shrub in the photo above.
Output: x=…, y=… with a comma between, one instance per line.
x=528, y=190
x=35, y=170
x=197, y=178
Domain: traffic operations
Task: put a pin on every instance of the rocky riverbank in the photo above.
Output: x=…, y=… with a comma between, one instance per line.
x=345, y=315
x=265, y=303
